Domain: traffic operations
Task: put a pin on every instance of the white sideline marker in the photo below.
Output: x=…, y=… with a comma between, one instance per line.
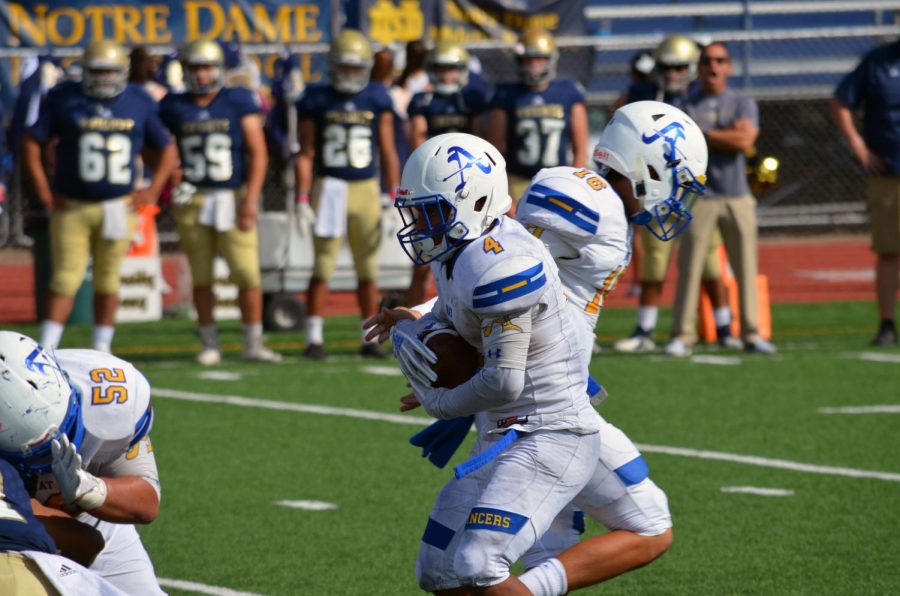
x=878, y=357
x=308, y=505
x=716, y=360
x=887, y=409
x=187, y=586
x=219, y=375
x=752, y=460
x=755, y=490
x=383, y=371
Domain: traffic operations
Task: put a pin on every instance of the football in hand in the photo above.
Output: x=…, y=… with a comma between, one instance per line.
x=457, y=360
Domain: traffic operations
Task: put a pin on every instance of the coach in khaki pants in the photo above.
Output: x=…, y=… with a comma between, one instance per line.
x=730, y=122
x=875, y=83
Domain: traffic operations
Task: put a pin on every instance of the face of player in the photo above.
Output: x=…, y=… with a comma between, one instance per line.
x=675, y=76
x=535, y=65
x=447, y=75
x=204, y=75
x=715, y=68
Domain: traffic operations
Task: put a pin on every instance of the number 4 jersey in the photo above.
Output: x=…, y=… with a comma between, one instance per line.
x=346, y=129
x=539, y=125
x=210, y=137
x=98, y=139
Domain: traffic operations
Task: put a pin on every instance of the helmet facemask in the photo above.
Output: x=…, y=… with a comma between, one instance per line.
x=103, y=83
x=431, y=230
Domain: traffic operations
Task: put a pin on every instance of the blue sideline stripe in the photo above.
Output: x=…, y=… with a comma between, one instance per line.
x=509, y=288
x=634, y=471
x=437, y=535
x=570, y=210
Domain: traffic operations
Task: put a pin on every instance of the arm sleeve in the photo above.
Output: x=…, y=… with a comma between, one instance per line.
x=245, y=102
x=498, y=383
x=156, y=135
x=500, y=98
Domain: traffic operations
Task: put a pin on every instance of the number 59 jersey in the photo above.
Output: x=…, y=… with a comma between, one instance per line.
x=538, y=126
x=115, y=404
x=99, y=140
x=210, y=137
x=346, y=129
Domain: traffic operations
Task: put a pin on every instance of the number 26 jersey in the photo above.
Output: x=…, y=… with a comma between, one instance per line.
x=99, y=139
x=210, y=137
x=346, y=129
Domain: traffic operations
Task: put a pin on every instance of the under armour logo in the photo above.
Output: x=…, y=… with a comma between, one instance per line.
x=677, y=133
x=457, y=154
x=493, y=353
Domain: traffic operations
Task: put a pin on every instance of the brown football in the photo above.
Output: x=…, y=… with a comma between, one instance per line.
x=457, y=359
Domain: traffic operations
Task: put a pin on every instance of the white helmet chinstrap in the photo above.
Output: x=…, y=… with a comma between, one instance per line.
x=453, y=188
x=663, y=152
x=37, y=403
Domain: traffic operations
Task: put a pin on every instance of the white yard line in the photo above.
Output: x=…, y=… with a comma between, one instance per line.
x=886, y=409
x=716, y=360
x=756, y=490
x=179, y=584
x=308, y=505
x=384, y=371
x=219, y=375
x=248, y=402
x=878, y=357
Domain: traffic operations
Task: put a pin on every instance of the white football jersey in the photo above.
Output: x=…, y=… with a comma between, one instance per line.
x=582, y=221
x=503, y=273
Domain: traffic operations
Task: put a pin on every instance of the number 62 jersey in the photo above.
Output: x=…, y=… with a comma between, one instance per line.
x=99, y=139
x=210, y=137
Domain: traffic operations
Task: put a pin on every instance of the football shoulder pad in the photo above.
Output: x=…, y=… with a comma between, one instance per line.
x=505, y=270
x=115, y=396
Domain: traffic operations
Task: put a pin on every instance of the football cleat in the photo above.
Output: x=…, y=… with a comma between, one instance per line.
x=209, y=357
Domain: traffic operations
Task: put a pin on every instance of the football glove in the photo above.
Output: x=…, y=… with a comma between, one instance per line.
x=415, y=357
x=78, y=487
x=183, y=194
x=441, y=440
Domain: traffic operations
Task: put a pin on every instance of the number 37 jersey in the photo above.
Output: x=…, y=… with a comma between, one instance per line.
x=346, y=129
x=210, y=137
x=99, y=140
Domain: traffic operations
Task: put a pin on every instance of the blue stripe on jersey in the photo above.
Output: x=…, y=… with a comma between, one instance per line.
x=578, y=521
x=437, y=535
x=565, y=206
x=497, y=520
x=509, y=288
x=142, y=427
x=634, y=471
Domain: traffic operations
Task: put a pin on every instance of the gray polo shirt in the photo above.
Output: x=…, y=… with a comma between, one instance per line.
x=727, y=171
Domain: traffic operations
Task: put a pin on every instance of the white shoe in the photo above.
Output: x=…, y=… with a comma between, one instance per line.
x=262, y=354
x=678, y=349
x=760, y=346
x=730, y=342
x=209, y=357
x=635, y=343
x=596, y=349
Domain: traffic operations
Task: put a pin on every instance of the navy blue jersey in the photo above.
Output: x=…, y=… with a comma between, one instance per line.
x=99, y=140
x=448, y=113
x=539, y=125
x=210, y=138
x=346, y=129
x=19, y=529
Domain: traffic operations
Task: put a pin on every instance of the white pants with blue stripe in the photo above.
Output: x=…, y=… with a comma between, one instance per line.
x=483, y=523
x=620, y=495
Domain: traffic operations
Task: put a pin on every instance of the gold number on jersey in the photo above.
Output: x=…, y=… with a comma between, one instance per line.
x=111, y=394
x=594, y=181
x=491, y=245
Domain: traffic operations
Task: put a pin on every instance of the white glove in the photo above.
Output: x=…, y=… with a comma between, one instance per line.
x=77, y=486
x=306, y=218
x=183, y=194
x=414, y=356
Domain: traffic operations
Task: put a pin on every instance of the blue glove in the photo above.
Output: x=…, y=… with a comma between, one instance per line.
x=596, y=392
x=441, y=440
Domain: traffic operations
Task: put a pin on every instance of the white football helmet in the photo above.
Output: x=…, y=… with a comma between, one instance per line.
x=453, y=188
x=37, y=403
x=663, y=152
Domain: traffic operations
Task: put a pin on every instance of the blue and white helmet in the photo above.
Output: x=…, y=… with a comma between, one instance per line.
x=453, y=188
x=663, y=152
x=37, y=403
